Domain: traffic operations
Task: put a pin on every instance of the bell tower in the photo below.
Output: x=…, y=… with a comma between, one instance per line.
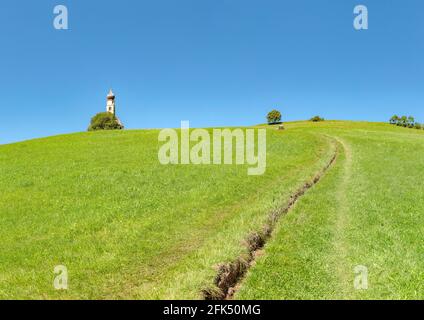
x=110, y=104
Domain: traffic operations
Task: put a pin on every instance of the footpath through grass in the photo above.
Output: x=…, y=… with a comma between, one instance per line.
x=124, y=225
x=367, y=211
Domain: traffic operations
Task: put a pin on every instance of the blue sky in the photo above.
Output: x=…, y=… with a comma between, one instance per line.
x=213, y=62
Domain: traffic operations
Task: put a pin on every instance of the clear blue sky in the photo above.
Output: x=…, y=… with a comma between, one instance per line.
x=213, y=62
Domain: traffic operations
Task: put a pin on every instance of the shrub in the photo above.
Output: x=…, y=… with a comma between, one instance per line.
x=317, y=119
x=418, y=126
x=274, y=117
x=105, y=121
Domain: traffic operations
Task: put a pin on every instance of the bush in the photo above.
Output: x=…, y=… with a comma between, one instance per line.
x=274, y=117
x=317, y=119
x=407, y=122
x=105, y=121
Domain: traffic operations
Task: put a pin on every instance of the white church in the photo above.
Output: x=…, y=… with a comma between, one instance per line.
x=110, y=102
x=110, y=105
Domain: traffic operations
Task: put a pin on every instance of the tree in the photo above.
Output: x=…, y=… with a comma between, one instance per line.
x=274, y=117
x=403, y=121
x=105, y=121
x=317, y=119
x=411, y=122
x=394, y=120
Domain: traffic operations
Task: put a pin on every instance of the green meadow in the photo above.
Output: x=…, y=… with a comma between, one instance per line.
x=127, y=227
x=367, y=211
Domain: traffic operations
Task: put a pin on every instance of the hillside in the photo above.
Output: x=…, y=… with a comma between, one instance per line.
x=367, y=212
x=127, y=227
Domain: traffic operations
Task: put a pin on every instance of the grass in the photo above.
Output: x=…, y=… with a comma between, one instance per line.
x=367, y=211
x=127, y=227
x=124, y=225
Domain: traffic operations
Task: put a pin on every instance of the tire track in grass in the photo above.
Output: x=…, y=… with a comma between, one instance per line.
x=230, y=275
x=342, y=267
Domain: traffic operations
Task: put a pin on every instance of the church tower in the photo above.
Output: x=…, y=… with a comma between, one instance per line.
x=110, y=104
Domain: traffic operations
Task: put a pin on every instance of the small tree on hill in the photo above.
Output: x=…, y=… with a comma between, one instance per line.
x=394, y=120
x=105, y=121
x=411, y=122
x=403, y=121
x=274, y=117
x=317, y=119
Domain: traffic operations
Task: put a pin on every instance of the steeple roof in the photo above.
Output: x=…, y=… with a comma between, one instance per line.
x=111, y=94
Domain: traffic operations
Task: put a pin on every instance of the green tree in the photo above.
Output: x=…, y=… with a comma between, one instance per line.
x=317, y=119
x=274, y=117
x=394, y=120
x=411, y=122
x=105, y=121
x=403, y=121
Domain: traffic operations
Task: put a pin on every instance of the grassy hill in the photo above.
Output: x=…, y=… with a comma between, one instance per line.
x=368, y=211
x=127, y=227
